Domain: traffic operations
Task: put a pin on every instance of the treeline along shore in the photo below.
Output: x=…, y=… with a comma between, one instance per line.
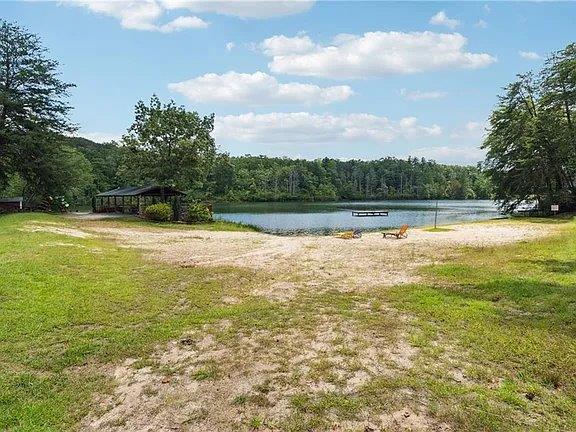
x=261, y=178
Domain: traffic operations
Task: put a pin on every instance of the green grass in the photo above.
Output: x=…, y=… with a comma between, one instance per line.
x=504, y=316
x=205, y=373
x=438, y=229
x=133, y=221
x=508, y=316
x=68, y=305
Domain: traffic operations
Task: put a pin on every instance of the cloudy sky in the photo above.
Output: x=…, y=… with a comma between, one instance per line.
x=301, y=78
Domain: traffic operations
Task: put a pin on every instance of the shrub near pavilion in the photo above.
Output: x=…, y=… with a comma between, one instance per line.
x=198, y=212
x=161, y=212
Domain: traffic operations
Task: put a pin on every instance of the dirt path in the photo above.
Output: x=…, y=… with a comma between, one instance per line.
x=256, y=376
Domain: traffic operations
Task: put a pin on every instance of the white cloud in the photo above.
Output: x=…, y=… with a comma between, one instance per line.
x=417, y=95
x=467, y=151
x=132, y=15
x=146, y=14
x=182, y=23
x=254, y=89
x=230, y=46
x=258, y=9
x=139, y=15
x=469, y=155
x=481, y=24
x=472, y=130
x=442, y=19
x=373, y=54
x=308, y=128
x=281, y=45
x=529, y=55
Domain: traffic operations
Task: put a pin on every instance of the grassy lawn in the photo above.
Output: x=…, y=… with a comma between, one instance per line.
x=69, y=303
x=505, y=318
x=136, y=222
x=495, y=329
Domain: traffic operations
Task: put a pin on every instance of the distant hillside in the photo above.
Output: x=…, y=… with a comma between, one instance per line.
x=104, y=158
x=261, y=178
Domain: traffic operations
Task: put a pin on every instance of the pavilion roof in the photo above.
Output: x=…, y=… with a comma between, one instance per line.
x=142, y=191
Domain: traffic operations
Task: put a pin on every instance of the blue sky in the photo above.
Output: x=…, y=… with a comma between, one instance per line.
x=301, y=78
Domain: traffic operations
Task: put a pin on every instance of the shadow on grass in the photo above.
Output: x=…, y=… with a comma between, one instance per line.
x=551, y=220
x=554, y=265
x=542, y=305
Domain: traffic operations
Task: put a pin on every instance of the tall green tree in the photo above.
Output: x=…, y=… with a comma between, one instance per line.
x=222, y=175
x=33, y=111
x=531, y=145
x=169, y=146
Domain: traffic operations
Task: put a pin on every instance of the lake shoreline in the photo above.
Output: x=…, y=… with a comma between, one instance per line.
x=326, y=218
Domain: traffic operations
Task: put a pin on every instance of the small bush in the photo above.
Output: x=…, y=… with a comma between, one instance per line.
x=57, y=204
x=161, y=212
x=198, y=212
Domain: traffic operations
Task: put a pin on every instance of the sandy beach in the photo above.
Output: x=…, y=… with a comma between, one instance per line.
x=325, y=261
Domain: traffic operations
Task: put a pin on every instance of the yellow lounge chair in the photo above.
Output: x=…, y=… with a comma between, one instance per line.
x=402, y=232
x=349, y=234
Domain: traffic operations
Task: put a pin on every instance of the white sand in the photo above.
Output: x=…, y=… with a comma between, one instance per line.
x=347, y=265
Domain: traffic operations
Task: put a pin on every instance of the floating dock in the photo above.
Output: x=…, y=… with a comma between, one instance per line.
x=369, y=213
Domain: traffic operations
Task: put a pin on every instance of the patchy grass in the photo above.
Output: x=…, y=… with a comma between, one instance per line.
x=69, y=304
x=438, y=229
x=505, y=318
x=209, y=372
x=493, y=333
x=136, y=222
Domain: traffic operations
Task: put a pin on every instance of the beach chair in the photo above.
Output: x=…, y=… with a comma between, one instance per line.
x=349, y=234
x=345, y=235
x=402, y=232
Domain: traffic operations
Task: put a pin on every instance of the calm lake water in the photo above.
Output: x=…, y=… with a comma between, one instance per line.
x=293, y=217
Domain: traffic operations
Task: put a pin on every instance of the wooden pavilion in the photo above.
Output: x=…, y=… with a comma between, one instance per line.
x=14, y=204
x=135, y=199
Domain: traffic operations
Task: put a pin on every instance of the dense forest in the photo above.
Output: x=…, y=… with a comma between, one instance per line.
x=261, y=178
